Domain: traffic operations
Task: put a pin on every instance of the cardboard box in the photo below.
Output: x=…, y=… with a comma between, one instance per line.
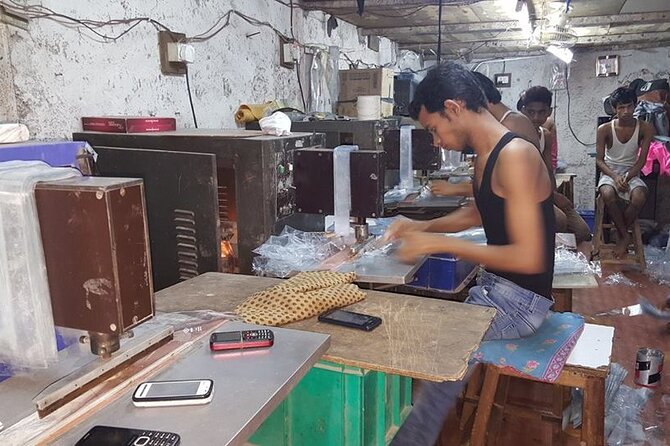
x=124, y=124
x=348, y=108
x=375, y=81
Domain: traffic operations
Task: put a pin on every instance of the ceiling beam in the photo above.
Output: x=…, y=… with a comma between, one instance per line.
x=451, y=28
x=475, y=27
x=351, y=4
x=424, y=27
x=584, y=40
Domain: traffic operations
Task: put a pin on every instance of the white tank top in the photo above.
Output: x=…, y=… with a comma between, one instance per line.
x=542, y=140
x=623, y=154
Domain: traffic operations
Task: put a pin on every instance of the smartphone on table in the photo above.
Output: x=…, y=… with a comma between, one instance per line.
x=173, y=393
x=121, y=436
x=238, y=340
x=351, y=319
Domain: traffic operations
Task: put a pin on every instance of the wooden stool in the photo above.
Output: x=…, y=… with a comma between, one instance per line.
x=586, y=368
x=604, y=250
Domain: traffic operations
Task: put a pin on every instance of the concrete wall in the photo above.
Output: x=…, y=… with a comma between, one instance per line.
x=7, y=94
x=586, y=93
x=62, y=73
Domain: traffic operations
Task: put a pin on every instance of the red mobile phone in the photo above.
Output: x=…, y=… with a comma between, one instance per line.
x=237, y=340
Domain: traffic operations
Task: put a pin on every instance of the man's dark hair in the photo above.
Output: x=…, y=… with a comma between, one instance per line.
x=488, y=87
x=537, y=93
x=447, y=81
x=623, y=95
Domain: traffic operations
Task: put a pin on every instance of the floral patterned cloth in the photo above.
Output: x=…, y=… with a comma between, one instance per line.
x=540, y=356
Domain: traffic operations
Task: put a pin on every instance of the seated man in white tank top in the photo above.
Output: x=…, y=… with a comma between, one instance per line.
x=617, y=145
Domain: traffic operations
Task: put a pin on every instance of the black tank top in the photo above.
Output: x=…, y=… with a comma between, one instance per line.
x=492, y=210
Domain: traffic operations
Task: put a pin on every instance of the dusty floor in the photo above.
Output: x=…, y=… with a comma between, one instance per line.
x=630, y=334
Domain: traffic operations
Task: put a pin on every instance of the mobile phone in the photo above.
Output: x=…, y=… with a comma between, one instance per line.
x=173, y=393
x=122, y=436
x=351, y=319
x=236, y=340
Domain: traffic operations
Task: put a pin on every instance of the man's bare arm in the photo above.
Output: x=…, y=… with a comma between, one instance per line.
x=648, y=132
x=521, y=125
x=459, y=220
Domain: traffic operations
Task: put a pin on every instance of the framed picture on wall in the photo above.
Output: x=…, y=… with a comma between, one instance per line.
x=503, y=80
x=607, y=66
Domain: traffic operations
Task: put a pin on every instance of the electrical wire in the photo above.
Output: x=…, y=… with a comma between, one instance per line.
x=439, y=33
x=574, y=135
x=190, y=98
x=291, y=15
x=302, y=93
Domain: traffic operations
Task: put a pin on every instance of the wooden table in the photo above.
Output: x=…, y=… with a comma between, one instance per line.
x=420, y=338
x=563, y=285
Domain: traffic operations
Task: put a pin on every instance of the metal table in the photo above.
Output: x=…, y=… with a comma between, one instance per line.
x=248, y=386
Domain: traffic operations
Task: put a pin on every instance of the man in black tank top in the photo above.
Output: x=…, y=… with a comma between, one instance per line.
x=514, y=203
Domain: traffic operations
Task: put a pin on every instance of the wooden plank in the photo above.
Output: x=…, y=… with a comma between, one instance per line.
x=421, y=338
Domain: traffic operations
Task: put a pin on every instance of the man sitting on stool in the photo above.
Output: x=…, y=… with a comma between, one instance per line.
x=617, y=145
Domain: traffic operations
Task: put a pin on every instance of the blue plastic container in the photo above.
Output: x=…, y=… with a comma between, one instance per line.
x=442, y=272
x=589, y=216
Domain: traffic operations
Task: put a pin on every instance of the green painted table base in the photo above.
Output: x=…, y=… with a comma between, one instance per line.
x=339, y=405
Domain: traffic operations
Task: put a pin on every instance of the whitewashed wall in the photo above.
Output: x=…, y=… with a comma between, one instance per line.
x=60, y=74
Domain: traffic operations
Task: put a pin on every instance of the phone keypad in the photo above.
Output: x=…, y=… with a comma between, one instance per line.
x=155, y=438
x=257, y=335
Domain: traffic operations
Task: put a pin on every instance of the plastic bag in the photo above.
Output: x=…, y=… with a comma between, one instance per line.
x=570, y=262
x=292, y=251
x=27, y=335
x=620, y=279
x=658, y=264
x=277, y=124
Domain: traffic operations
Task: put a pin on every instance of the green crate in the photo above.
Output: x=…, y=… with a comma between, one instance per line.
x=339, y=405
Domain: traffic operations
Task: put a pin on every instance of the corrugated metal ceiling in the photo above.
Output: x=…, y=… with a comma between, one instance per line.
x=475, y=29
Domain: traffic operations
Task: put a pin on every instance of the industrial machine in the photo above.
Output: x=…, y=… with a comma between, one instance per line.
x=250, y=175
x=96, y=249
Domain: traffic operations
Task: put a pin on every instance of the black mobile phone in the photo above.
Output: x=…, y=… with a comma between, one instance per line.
x=121, y=436
x=236, y=340
x=351, y=319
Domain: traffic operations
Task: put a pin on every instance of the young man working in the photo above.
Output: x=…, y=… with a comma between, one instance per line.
x=515, y=122
x=617, y=146
x=536, y=105
x=513, y=197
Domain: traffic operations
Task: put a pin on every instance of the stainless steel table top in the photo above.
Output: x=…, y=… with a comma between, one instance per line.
x=248, y=386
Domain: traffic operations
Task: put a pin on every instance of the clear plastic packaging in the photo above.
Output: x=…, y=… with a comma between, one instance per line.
x=406, y=172
x=619, y=279
x=658, y=264
x=571, y=262
x=27, y=335
x=623, y=406
x=342, y=188
x=292, y=251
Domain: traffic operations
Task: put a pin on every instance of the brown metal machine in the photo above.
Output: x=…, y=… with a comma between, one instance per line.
x=96, y=248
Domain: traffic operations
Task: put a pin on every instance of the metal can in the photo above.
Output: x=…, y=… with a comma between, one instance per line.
x=648, y=367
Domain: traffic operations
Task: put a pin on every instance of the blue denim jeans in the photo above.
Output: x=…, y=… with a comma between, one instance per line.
x=519, y=313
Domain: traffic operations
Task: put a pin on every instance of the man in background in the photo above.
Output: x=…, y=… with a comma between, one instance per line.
x=515, y=122
x=622, y=146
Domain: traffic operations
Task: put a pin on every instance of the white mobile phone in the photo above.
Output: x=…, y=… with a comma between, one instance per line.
x=173, y=393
